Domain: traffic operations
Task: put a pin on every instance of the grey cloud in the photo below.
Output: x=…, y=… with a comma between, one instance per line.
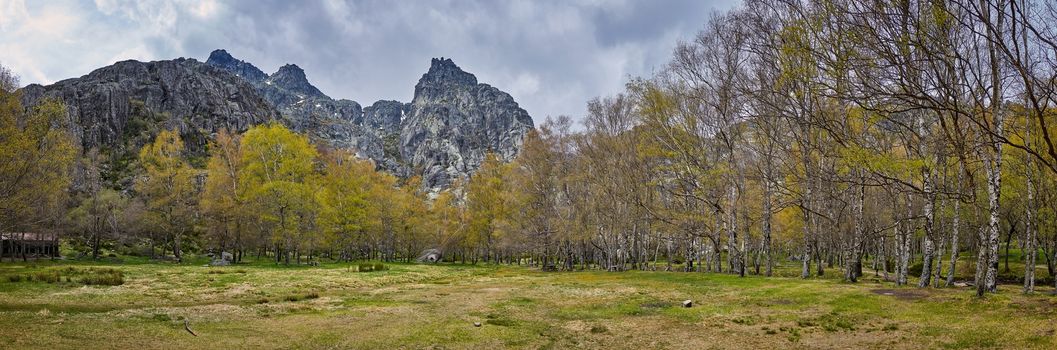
x=551, y=55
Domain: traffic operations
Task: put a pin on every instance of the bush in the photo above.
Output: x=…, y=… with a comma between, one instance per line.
x=47, y=276
x=104, y=277
x=70, y=274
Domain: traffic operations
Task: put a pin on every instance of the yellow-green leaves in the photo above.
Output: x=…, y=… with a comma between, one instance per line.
x=168, y=187
x=277, y=174
x=36, y=154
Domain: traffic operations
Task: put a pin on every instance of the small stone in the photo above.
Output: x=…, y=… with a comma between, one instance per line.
x=477, y=324
x=688, y=303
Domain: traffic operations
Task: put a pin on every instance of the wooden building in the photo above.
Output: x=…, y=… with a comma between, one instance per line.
x=28, y=244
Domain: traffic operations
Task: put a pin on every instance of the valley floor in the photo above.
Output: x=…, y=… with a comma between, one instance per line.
x=424, y=306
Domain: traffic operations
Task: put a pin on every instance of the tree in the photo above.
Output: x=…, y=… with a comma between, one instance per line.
x=100, y=218
x=486, y=205
x=278, y=173
x=168, y=187
x=222, y=198
x=344, y=205
x=36, y=156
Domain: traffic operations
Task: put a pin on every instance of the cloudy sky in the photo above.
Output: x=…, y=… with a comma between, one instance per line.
x=552, y=56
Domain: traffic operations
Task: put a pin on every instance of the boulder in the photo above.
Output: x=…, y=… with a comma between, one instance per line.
x=430, y=256
x=224, y=259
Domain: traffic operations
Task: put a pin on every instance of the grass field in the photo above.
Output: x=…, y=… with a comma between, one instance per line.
x=426, y=306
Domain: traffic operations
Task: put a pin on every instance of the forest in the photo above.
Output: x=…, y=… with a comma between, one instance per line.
x=904, y=139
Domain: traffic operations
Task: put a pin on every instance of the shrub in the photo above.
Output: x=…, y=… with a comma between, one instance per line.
x=104, y=277
x=70, y=274
x=312, y=295
x=47, y=276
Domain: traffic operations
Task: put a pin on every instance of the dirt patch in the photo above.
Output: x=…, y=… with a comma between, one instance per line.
x=901, y=294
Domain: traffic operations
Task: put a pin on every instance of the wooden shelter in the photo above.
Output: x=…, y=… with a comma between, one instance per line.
x=28, y=244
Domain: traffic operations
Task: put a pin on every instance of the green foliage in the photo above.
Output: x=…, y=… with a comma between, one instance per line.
x=71, y=274
x=278, y=173
x=168, y=186
x=36, y=156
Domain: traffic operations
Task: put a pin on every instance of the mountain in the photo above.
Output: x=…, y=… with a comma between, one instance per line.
x=454, y=121
x=442, y=135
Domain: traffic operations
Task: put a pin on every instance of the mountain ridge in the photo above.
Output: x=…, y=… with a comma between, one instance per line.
x=442, y=135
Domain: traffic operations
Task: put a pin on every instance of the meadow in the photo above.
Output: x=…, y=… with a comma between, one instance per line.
x=136, y=304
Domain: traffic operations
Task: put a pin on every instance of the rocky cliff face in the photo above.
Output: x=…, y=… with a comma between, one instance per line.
x=196, y=98
x=455, y=121
x=442, y=135
x=304, y=107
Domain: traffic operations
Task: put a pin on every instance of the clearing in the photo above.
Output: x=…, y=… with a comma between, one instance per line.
x=436, y=306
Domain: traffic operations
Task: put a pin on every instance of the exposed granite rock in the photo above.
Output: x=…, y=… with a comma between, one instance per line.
x=242, y=69
x=196, y=98
x=455, y=121
x=292, y=79
x=385, y=116
x=305, y=108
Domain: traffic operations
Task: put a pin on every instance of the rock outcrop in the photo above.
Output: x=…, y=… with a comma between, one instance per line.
x=307, y=109
x=455, y=121
x=196, y=98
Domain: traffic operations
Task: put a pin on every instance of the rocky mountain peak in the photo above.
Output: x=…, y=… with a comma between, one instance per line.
x=293, y=78
x=443, y=70
x=222, y=59
x=221, y=56
x=454, y=122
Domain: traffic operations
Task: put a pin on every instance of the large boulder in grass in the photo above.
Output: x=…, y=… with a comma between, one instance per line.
x=430, y=256
x=224, y=259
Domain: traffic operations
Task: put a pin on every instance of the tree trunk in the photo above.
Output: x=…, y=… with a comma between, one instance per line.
x=955, y=222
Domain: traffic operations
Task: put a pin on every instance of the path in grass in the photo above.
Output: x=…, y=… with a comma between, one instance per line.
x=419, y=306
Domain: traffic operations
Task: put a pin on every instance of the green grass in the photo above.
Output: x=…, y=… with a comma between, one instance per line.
x=262, y=305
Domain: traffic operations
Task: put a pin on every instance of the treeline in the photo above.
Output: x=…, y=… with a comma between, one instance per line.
x=268, y=192
x=903, y=134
